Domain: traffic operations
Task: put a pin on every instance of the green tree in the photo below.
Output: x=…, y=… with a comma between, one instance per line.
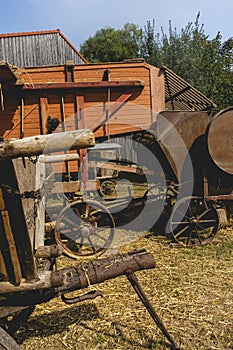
x=150, y=47
x=111, y=45
x=207, y=64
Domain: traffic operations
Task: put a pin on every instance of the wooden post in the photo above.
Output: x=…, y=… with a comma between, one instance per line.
x=40, y=207
x=43, y=115
x=8, y=246
x=83, y=153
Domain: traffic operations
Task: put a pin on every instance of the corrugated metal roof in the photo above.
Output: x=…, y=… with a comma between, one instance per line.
x=180, y=95
x=36, y=49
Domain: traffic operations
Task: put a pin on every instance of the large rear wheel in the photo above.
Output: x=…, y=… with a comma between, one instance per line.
x=193, y=221
x=84, y=228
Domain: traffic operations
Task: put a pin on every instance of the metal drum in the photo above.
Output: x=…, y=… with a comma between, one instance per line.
x=220, y=140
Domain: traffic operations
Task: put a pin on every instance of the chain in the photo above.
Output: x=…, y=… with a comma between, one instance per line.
x=26, y=194
x=33, y=159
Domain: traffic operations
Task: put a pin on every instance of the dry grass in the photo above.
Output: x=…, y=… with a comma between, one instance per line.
x=191, y=289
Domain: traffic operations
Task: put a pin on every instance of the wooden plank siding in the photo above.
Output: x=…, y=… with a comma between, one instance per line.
x=38, y=105
x=131, y=103
x=39, y=48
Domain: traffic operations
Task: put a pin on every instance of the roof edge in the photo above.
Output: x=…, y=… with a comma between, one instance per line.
x=5, y=35
x=72, y=46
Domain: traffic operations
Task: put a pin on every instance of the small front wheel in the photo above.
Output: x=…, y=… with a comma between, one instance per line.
x=108, y=188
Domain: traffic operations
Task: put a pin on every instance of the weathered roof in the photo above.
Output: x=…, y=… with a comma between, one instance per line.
x=38, y=48
x=180, y=95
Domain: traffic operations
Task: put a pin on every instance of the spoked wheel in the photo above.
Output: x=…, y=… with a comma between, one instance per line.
x=108, y=188
x=84, y=228
x=7, y=342
x=193, y=221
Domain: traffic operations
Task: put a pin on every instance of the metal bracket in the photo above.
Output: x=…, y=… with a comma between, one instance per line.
x=87, y=296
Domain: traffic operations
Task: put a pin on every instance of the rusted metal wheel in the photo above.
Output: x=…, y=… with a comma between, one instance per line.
x=108, y=188
x=193, y=221
x=7, y=342
x=84, y=228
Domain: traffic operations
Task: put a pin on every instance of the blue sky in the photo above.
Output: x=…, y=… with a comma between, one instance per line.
x=80, y=19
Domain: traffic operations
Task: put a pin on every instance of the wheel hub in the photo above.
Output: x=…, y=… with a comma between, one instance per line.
x=194, y=221
x=85, y=230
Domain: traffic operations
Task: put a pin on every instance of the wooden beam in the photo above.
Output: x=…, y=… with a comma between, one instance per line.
x=36, y=145
x=66, y=187
x=83, y=85
x=10, y=248
x=82, y=152
x=81, y=118
x=63, y=126
x=125, y=168
x=59, y=158
x=43, y=110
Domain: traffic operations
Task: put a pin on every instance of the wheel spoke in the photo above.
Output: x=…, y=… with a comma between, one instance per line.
x=210, y=221
x=101, y=237
x=80, y=245
x=70, y=222
x=77, y=212
x=179, y=223
x=178, y=234
x=182, y=214
x=87, y=212
x=96, y=218
x=90, y=241
x=204, y=213
x=197, y=234
x=188, y=239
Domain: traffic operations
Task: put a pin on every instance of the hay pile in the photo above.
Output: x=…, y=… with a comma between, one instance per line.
x=191, y=290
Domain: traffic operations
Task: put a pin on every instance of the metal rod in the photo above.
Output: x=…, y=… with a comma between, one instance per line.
x=142, y=296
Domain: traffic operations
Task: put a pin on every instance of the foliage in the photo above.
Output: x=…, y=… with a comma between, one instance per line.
x=111, y=45
x=203, y=62
x=206, y=64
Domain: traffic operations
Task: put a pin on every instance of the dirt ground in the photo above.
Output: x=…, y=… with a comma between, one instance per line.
x=190, y=288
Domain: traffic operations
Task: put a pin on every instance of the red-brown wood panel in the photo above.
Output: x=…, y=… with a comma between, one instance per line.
x=86, y=107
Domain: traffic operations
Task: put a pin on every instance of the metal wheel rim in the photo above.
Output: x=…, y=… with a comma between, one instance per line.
x=111, y=186
x=88, y=238
x=193, y=222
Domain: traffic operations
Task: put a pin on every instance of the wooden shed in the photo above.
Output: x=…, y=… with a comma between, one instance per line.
x=38, y=48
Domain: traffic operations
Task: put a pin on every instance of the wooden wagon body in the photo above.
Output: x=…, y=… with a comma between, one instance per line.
x=82, y=94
